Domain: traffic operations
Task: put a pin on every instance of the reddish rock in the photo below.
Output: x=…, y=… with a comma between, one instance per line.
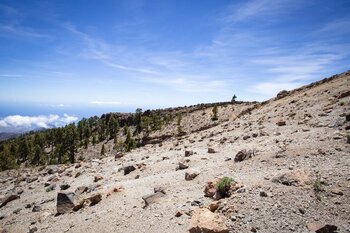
x=204, y=221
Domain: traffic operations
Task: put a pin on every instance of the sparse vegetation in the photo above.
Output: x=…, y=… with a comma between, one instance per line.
x=317, y=186
x=103, y=150
x=234, y=97
x=223, y=186
x=178, y=121
x=215, y=113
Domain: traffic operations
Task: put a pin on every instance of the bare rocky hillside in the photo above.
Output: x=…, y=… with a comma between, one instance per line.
x=288, y=158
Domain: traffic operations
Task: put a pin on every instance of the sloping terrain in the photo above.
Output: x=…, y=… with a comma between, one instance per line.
x=297, y=179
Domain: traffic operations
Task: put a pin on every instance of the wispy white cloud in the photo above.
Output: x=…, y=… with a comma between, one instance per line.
x=335, y=27
x=60, y=105
x=11, y=76
x=256, y=8
x=12, y=25
x=271, y=88
x=191, y=84
x=20, y=123
x=20, y=31
x=97, y=49
x=96, y=102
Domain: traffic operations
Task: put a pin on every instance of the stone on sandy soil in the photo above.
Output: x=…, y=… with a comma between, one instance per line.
x=344, y=94
x=178, y=214
x=154, y=197
x=67, y=203
x=128, y=169
x=213, y=206
x=36, y=208
x=64, y=186
x=296, y=178
x=190, y=175
x=77, y=174
x=337, y=191
x=7, y=199
x=183, y=165
x=204, y=221
x=188, y=153
x=211, y=150
x=118, y=155
x=243, y=155
x=320, y=228
x=33, y=229
x=98, y=178
x=281, y=123
x=209, y=189
x=94, y=199
x=81, y=190
x=31, y=179
x=282, y=94
x=347, y=117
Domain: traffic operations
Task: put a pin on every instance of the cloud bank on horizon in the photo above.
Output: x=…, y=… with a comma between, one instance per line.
x=167, y=53
x=18, y=123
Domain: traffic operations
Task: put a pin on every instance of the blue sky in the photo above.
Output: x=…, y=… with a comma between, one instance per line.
x=64, y=56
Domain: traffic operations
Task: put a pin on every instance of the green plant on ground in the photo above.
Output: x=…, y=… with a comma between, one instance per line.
x=215, y=113
x=223, y=186
x=317, y=186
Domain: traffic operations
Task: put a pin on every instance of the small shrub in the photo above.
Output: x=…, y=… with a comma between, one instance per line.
x=223, y=186
x=318, y=186
x=342, y=103
x=215, y=113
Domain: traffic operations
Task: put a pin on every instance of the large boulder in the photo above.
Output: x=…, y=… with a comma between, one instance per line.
x=7, y=199
x=154, y=197
x=282, y=94
x=67, y=203
x=128, y=169
x=204, y=221
x=190, y=175
x=94, y=199
x=183, y=164
x=243, y=155
x=295, y=178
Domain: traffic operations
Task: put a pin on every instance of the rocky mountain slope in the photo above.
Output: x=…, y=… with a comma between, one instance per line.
x=288, y=157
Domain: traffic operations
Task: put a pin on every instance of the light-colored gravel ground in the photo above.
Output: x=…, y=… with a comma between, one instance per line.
x=313, y=140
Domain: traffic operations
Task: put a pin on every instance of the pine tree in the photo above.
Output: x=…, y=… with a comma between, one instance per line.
x=179, y=119
x=129, y=142
x=103, y=150
x=138, y=120
x=7, y=161
x=234, y=97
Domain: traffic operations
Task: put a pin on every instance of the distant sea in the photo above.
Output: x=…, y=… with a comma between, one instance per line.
x=80, y=111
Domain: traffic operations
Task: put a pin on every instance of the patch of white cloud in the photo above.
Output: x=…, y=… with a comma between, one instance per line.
x=11, y=76
x=237, y=59
x=257, y=8
x=97, y=102
x=22, y=123
x=270, y=89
